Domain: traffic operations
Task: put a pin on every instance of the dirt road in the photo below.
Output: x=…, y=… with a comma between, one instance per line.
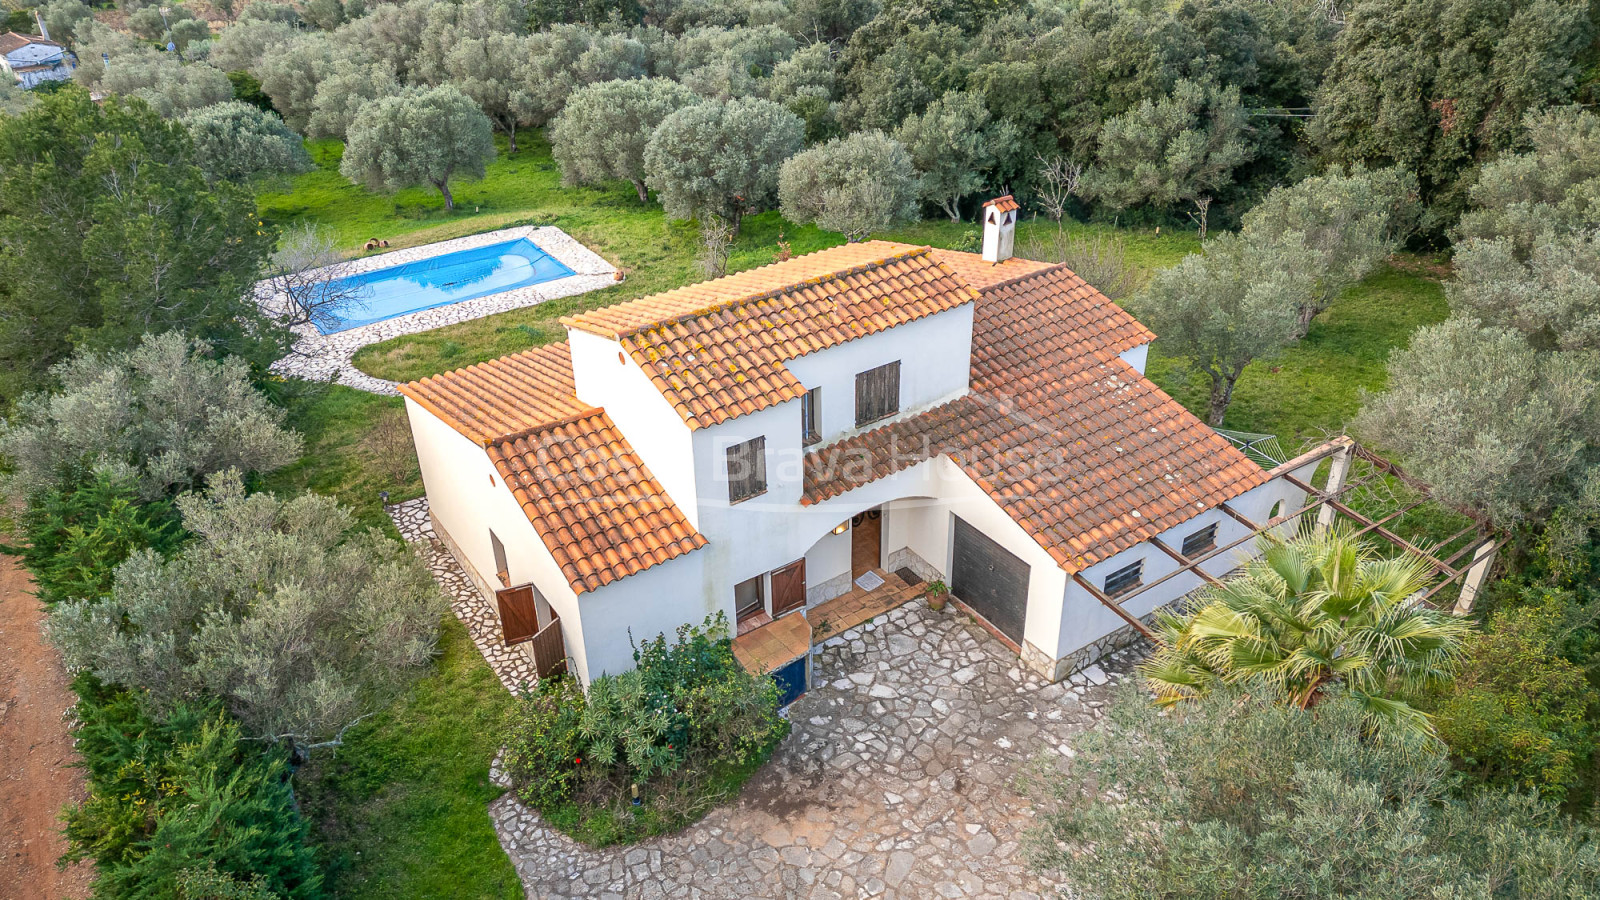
x=35, y=752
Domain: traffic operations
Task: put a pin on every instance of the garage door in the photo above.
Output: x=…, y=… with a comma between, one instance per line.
x=990, y=580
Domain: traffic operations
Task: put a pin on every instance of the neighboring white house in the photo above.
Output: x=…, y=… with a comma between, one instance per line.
x=31, y=59
x=753, y=444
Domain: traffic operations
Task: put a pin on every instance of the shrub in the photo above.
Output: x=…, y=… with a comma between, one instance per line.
x=685, y=727
x=77, y=534
x=1518, y=714
x=1241, y=796
x=164, y=414
x=543, y=748
x=295, y=620
x=167, y=797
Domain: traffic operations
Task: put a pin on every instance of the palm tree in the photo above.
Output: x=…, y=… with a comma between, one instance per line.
x=1320, y=609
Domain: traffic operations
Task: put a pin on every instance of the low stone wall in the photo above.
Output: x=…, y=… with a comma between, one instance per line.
x=906, y=558
x=327, y=357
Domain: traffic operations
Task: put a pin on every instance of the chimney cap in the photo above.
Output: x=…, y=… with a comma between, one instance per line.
x=1004, y=204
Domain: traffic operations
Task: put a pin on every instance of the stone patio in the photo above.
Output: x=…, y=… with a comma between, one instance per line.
x=896, y=782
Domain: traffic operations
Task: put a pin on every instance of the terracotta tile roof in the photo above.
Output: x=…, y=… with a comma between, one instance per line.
x=594, y=503
x=596, y=506
x=716, y=350
x=1086, y=454
x=12, y=41
x=504, y=396
x=983, y=274
x=1003, y=204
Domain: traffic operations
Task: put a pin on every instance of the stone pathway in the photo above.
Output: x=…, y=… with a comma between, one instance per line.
x=896, y=782
x=327, y=357
x=513, y=667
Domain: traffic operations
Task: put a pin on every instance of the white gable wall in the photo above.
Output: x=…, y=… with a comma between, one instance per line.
x=1136, y=357
x=457, y=473
x=935, y=355
x=606, y=376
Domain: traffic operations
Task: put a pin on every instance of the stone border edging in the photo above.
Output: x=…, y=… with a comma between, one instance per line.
x=327, y=357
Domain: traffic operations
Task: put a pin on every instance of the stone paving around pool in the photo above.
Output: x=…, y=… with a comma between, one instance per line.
x=896, y=782
x=326, y=357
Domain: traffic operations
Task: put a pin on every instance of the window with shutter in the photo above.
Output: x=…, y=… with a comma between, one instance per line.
x=878, y=393
x=747, y=469
x=810, y=417
x=1124, y=579
x=748, y=599
x=1201, y=541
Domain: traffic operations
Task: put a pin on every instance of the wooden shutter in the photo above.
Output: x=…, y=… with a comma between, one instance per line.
x=519, y=613
x=878, y=393
x=789, y=587
x=747, y=469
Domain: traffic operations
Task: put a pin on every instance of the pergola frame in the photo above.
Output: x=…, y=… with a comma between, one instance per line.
x=1328, y=502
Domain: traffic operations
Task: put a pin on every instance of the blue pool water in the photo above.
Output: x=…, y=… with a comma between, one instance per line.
x=442, y=280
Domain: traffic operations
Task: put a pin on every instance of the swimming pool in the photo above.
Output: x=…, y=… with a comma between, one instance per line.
x=442, y=280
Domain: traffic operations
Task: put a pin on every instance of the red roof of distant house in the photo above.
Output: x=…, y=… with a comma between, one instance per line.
x=12, y=41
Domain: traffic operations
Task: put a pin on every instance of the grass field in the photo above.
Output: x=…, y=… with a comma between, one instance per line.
x=400, y=810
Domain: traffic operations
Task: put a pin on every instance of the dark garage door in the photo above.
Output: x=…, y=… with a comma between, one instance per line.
x=990, y=580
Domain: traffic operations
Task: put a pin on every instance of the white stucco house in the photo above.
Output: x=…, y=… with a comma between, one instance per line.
x=754, y=443
x=32, y=59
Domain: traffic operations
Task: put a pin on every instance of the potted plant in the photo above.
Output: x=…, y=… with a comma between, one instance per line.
x=937, y=594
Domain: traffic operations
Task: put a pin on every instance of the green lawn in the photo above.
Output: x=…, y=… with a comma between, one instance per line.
x=400, y=809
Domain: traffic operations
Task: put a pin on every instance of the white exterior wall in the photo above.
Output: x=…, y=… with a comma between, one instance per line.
x=1136, y=357
x=606, y=376
x=935, y=354
x=1085, y=619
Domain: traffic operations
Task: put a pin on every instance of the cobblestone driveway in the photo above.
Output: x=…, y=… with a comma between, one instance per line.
x=895, y=783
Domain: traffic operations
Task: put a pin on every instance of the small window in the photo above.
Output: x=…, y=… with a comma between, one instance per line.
x=1202, y=541
x=1277, y=509
x=502, y=568
x=1124, y=579
x=748, y=600
x=810, y=415
x=878, y=393
x=747, y=469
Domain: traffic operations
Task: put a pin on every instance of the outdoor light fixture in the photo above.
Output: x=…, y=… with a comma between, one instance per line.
x=384, y=497
x=843, y=527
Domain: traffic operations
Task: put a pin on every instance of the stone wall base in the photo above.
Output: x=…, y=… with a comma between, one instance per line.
x=837, y=586
x=906, y=558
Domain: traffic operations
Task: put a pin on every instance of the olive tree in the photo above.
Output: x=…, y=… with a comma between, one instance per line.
x=604, y=129
x=244, y=45
x=1493, y=425
x=1554, y=186
x=298, y=621
x=347, y=86
x=62, y=18
x=163, y=415
x=853, y=185
x=170, y=86
x=1236, y=301
x=1180, y=149
x=419, y=136
x=952, y=147
x=1243, y=798
x=1552, y=298
x=494, y=72
x=1352, y=221
x=306, y=279
x=238, y=142
x=721, y=158
x=290, y=75
x=567, y=57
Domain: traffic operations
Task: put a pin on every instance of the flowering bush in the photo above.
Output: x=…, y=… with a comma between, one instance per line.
x=679, y=731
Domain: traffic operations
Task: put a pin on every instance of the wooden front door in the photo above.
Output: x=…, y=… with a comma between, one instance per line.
x=866, y=542
x=789, y=588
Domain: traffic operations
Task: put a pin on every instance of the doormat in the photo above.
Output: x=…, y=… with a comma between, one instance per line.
x=869, y=581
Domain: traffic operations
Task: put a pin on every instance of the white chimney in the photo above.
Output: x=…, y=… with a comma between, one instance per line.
x=999, y=228
x=38, y=16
